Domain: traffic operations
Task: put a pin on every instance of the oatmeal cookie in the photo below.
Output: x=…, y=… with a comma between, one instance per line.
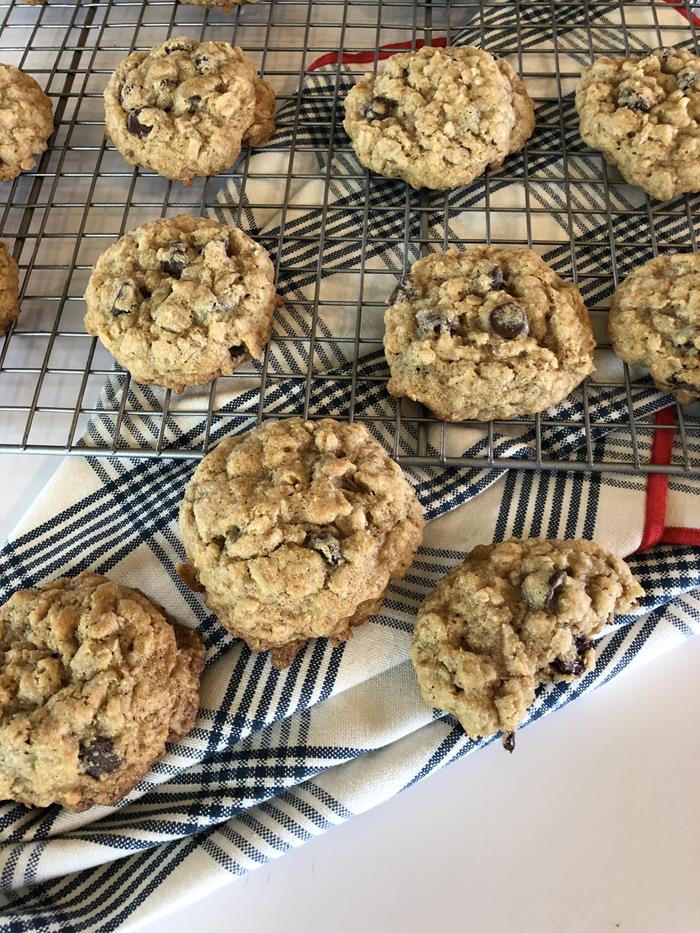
x=185, y=108
x=513, y=616
x=26, y=122
x=294, y=531
x=654, y=321
x=182, y=300
x=94, y=679
x=643, y=114
x=438, y=118
x=487, y=333
x=9, y=289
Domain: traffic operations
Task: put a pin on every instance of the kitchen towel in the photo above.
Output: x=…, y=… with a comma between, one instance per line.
x=277, y=757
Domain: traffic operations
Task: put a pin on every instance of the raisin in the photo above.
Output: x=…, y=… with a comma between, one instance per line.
x=379, y=108
x=509, y=320
x=134, y=125
x=97, y=757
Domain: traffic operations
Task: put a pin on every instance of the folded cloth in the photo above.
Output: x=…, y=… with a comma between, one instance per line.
x=279, y=756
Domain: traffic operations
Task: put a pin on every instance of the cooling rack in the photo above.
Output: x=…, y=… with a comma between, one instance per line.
x=340, y=237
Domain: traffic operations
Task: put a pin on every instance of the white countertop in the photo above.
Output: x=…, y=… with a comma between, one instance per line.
x=592, y=825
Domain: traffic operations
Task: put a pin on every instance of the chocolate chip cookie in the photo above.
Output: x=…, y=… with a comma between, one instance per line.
x=185, y=108
x=294, y=530
x=643, y=114
x=513, y=616
x=654, y=321
x=26, y=122
x=487, y=333
x=182, y=300
x=94, y=679
x=438, y=118
x=9, y=289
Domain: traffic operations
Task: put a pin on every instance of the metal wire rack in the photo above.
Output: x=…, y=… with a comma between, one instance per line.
x=340, y=237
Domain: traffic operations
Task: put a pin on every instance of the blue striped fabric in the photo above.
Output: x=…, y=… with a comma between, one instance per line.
x=277, y=757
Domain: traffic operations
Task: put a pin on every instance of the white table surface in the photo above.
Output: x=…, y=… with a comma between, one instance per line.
x=593, y=825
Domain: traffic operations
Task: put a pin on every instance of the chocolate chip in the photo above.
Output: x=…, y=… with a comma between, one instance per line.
x=379, y=108
x=663, y=52
x=431, y=323
x=540, y=588
x=327, y=546
x=127, y=299
x=97, y=757
x=194, y=103
x=509, y=320
x=486, y=276
x=509, y=742
x=687, y=79
x=632, y=100
x=134, y=125
x=572, y=667
x=174, y=259
x=204, y=64
x=402, y=291
x=675, y=383
x=237, y=352
x=583, y=644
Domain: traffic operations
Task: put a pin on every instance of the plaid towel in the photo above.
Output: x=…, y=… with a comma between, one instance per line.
x=277, y=757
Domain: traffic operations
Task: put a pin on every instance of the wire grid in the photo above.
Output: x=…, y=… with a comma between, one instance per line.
x=82, y=196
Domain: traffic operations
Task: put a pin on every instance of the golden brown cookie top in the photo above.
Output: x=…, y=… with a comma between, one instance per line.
x=94, y=678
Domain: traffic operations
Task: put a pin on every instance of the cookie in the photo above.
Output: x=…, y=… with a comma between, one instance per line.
x=94, y=679
x=9, y=289
x=487, y=333
x=26, y=122
x=438, y=118
x=513, y=616
x=185, y=108
x=182, y=300
x=654, y=321
x=294, y=530
x=643, y=114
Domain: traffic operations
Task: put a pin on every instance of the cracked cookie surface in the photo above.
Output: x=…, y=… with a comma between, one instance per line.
x=654, y=321
x=491, y=332
x=512, y=616
x=294, y=530
x=26, y=122
x=9, y=289
x=643, y=114
x=186, y=108
x=94, y=679
x=438, y=117
x=182, y=300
